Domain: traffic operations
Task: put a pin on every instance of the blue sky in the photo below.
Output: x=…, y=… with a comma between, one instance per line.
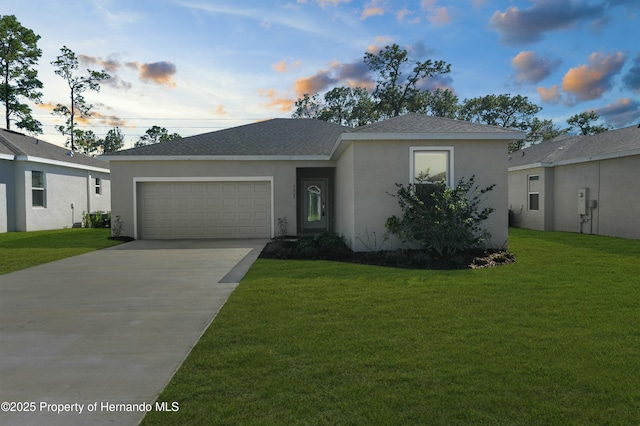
x=195, y=66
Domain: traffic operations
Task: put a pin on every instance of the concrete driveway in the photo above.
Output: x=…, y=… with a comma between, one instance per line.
x=94, y=339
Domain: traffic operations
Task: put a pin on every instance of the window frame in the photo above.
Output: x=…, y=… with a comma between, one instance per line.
x=42, y=189
x=449, y=181
x=98, y=185
x=530, y=192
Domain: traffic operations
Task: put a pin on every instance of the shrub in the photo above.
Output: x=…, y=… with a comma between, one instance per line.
x=440, y=219
x=98, y=219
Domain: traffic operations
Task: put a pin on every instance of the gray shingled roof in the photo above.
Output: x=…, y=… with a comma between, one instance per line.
x=280, y=136
x=420, y=123
x=14, y=143
x=612, y=142
x=303, y=137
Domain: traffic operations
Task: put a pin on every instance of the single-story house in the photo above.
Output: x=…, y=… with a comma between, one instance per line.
x=297, y=176
x=584, y=184
x=45, y=186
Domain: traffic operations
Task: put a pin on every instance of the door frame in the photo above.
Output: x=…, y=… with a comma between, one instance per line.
x=319, y=174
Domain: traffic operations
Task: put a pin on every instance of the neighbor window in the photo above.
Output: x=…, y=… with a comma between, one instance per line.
x=98, y=186
x=38, y=197
x=534, y=192
x=432, y=164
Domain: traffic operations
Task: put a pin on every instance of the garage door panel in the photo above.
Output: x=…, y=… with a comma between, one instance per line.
x=204, y=210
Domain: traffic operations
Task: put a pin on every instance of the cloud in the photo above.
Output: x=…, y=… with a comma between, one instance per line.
x=437, y=15
x=110, y=64
x=278, y=102
x=443, y=82
x=157, y=72
x=324, y=3
x=379, y=43
x=518, y=27
x=283, y=66
x=354, y=74
x=551, y=95
x=590, y=81
x=218, y=110
x=47, y=106
x=478, y=3
x=314, y=84
x=632, y=79
x=372, y=8
x=623, y=112
x=532, y=68
x=109, y=120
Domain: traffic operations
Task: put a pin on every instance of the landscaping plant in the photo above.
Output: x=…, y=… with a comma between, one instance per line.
x=441, y=219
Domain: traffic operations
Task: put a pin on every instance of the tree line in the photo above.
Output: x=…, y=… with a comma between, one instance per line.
x=19, y=55
x=400, y=89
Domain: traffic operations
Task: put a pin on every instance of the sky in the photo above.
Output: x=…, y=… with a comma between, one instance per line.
x=195, y=66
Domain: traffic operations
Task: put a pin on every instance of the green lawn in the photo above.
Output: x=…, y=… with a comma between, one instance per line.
x=551, y=339
x=20, y=250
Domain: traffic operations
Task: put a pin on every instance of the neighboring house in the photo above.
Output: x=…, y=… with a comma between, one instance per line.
x=586, y=184
x=44, y=186
x=245, y=181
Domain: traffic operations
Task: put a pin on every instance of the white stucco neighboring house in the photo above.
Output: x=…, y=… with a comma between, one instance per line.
x=586, y=184
x=248, y=181
x=44, y=186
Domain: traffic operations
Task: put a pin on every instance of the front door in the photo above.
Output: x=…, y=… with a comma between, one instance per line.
x=315, y=206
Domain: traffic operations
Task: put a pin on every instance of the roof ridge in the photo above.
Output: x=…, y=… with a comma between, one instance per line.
x=6, y=142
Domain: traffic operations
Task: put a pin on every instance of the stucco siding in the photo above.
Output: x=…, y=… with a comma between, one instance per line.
x=345, y=196
x=518, y=193
x=7, y=196
x=379, y=165
x=618, y=210
x=610, y=184
x=67, y=195
x=283, y=174
x=568, y=179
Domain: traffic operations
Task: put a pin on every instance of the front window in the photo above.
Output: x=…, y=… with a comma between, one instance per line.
x=38, y=198
x=98, y=186
x=534, y=192
x=432, y=164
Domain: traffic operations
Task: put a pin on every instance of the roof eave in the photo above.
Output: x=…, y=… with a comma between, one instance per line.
x=60, y=163
x=216, y=157
x=600, y=157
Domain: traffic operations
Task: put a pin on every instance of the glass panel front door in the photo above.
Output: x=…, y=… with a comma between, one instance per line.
x=314, y=204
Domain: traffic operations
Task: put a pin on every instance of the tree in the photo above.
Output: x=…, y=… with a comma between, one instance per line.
x=441, y=103
x=67, y=66
x=543, y=130
x=515, y=112
x=113, y=142
x=307, y=107
x=348, y=106
x=87, y=142
x=396, y=90
x=156, y=134
x=19, y=55
x=583, y=122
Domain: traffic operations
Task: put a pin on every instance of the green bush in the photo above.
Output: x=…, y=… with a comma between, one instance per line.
x=440, y=219
x=98, y=219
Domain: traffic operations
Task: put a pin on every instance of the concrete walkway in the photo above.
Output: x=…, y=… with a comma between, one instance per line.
x=110, y=327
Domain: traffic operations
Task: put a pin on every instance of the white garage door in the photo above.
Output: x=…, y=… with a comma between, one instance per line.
x=172, y=210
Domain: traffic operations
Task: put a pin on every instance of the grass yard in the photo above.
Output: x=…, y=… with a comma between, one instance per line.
x=551, y=339
x=20, y=250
